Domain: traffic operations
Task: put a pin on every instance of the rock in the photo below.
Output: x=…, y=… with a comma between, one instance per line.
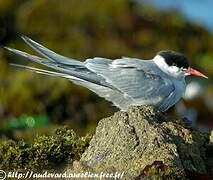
x=129, y=141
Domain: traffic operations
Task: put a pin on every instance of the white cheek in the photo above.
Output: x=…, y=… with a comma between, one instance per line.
x=176, y=72
x=174, y=69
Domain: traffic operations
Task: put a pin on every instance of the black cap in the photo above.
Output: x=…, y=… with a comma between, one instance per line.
x=173, y=58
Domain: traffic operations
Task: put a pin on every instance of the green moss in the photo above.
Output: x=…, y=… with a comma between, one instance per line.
x=47, y=152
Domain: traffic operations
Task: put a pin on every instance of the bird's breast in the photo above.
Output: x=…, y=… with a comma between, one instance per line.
x=180, y=86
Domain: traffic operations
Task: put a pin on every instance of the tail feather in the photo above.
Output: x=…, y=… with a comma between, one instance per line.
x=40, y=71
x=33, y=58
x=63, y=67
x=27, y=56
x=46, y=72
x=50, y=54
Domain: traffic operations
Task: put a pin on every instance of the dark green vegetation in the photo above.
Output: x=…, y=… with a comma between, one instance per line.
x=45, y=153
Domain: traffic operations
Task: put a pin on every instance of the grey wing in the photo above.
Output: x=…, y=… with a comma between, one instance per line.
x=71, y=69
x=136, y=79
x=112, y=95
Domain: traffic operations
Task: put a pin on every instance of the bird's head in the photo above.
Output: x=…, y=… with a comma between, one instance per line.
x=175, y=64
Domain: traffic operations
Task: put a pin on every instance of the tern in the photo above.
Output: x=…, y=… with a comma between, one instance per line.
x=159, y=82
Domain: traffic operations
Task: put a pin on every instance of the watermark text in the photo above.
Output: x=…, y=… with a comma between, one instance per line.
x=62, y=175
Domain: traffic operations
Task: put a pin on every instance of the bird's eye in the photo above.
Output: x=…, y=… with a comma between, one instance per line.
x=174, y=64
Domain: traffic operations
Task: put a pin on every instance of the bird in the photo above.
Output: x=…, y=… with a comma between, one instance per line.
x=159, y=82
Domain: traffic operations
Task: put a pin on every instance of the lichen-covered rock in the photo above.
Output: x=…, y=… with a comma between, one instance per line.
x=129, y=141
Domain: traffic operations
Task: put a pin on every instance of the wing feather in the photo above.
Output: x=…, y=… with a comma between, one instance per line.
x=136, y=79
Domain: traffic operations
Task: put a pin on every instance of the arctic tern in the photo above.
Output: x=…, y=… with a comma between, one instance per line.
x=159, y=82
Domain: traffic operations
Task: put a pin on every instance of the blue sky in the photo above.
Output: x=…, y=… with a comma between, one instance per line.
x=199, y=11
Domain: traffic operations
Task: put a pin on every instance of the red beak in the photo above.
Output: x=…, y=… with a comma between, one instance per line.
x=193, y=72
